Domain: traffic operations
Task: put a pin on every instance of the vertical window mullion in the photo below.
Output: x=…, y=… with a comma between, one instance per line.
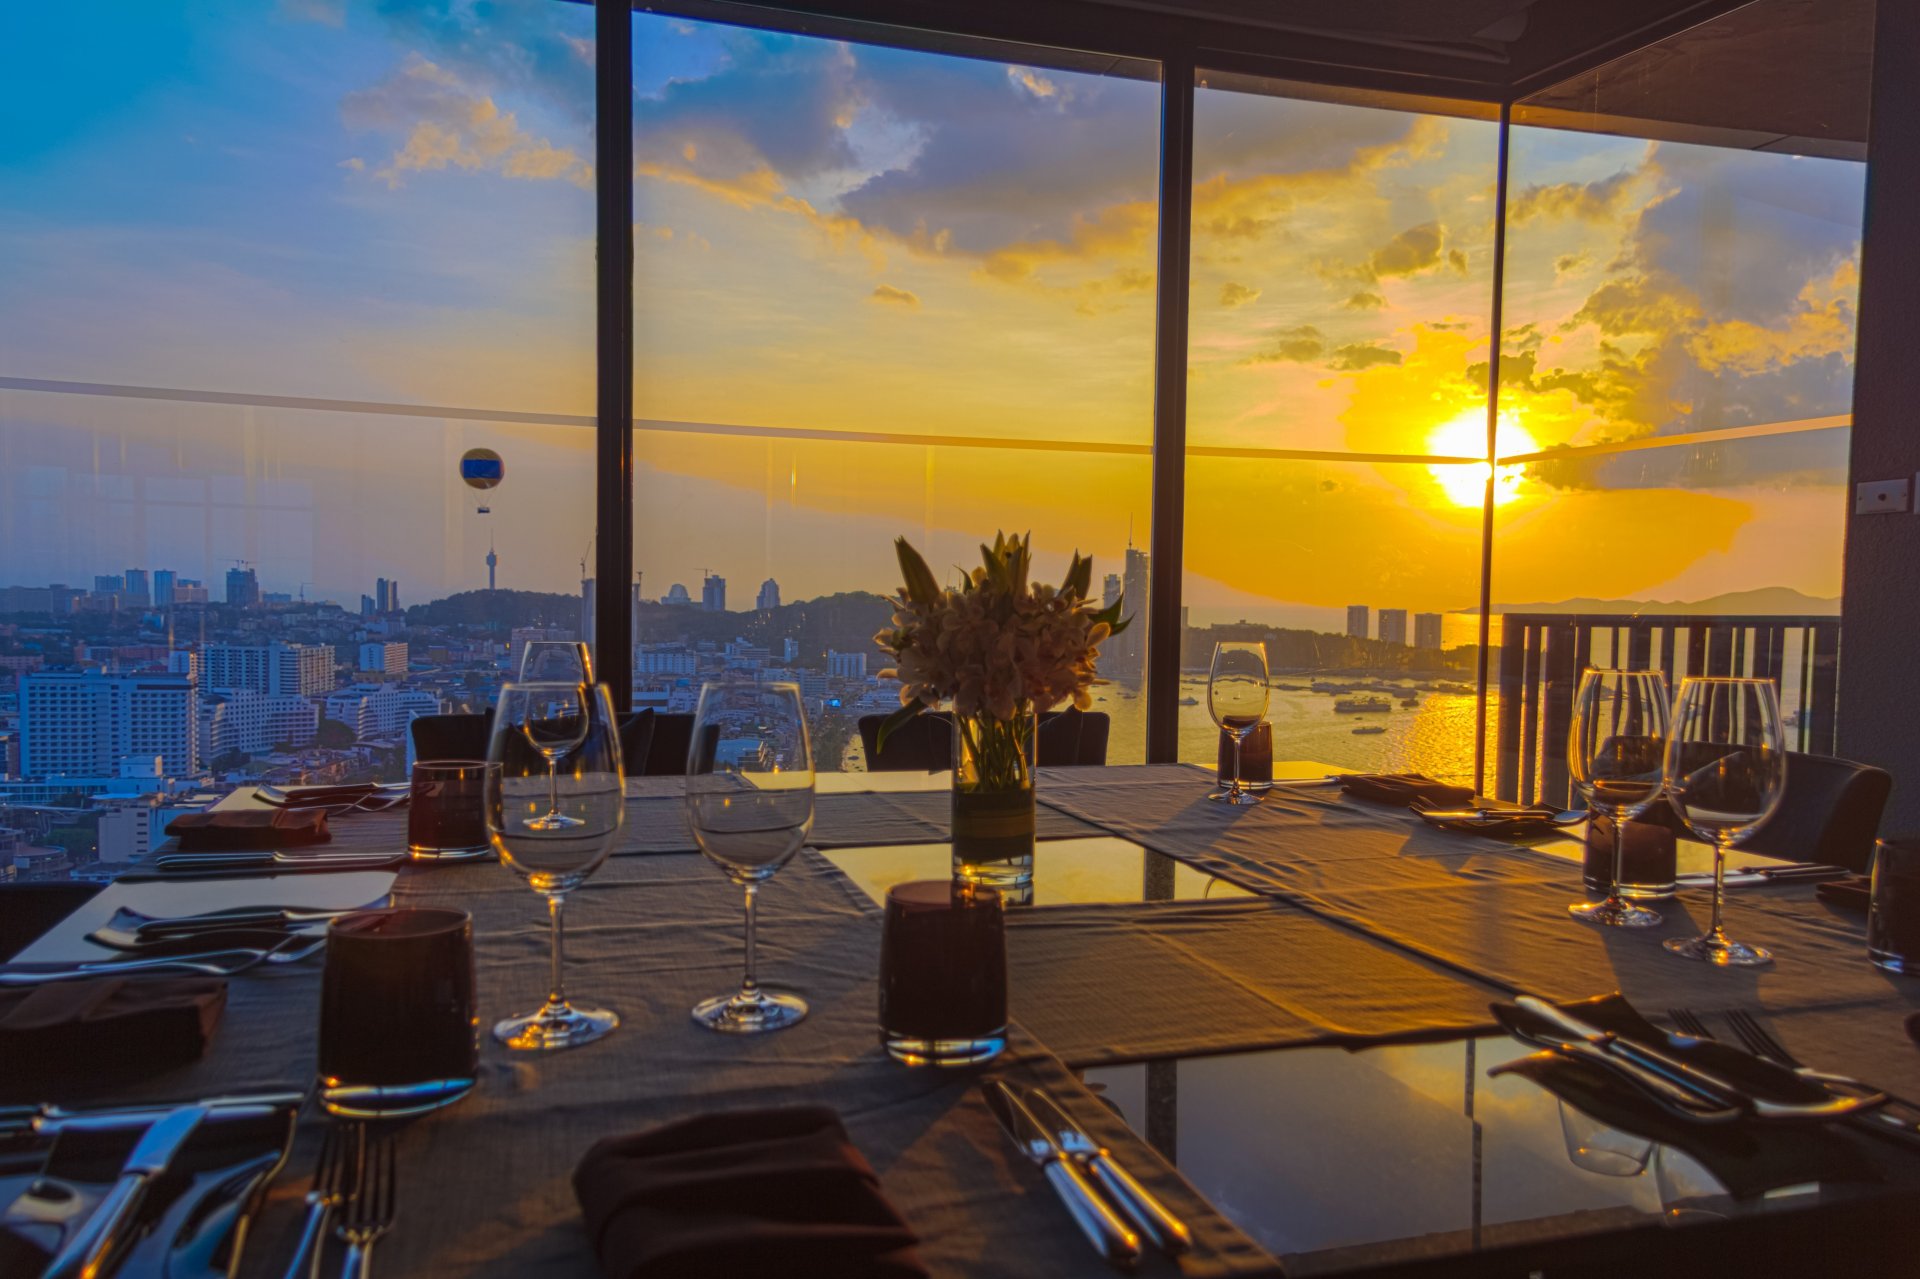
x=1493, y=445
x=613, y=281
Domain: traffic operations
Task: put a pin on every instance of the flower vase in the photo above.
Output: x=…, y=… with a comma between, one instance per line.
x=993, y=805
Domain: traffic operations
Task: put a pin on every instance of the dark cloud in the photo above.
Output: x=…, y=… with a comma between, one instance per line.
x=896, y=297
x=1363, y=301
x=1602, y=200
x=1232, y=294
x=1414, y=250
x=1362, y=355
x=1302, y=344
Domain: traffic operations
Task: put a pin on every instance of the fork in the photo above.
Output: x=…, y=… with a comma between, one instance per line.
x=1761, y=1042
x=1688, y=1023
x=368, y=1211
x=214, y=963
x=326, y=1194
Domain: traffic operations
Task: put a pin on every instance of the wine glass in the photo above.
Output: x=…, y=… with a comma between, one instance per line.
x=553, y=717
x=555, y=857
x=1616, y=751
x=550, y=661
x=1726, y=771
x=750, y=803
x=1237, y=699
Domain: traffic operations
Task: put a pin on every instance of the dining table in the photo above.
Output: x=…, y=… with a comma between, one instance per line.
x=1278, y=1016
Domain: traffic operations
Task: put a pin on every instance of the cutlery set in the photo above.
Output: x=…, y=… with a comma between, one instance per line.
x=1113, y=1210
x=223, y=943
x=353, y=1190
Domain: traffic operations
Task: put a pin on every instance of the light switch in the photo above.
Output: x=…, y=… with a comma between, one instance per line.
x=1881, y=497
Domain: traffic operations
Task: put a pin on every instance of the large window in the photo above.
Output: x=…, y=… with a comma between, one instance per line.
x=878, y=292
x=270, y=271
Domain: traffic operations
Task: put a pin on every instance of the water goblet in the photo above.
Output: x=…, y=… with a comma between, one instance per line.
x=1616, y=752
x=1237, y=693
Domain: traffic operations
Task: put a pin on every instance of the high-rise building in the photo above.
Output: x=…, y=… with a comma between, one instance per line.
x=713, y=593
x=366, y=606
x=846, y=665
x=384, y=658
x=769, y=596
x=188, y=591
x=243, y=587
x=493, y=562
x=586, y=606
x=241, y=720
x=137, y=594
x=1393, y=626
x=88, y=724
x=1112, y=591
x=292, y=670
x=114, y=586
x=1125, y=655
x=1357, y=621
x=380, y=710
x=1426, y=630
x=163, y=580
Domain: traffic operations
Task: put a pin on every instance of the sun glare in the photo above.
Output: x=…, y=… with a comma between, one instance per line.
x=1465, y=435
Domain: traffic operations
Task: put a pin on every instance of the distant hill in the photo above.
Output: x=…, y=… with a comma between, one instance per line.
x=1768, y=601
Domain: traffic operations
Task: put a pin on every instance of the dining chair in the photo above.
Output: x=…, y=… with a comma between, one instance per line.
x=1829, y=813
x=451, y=736
x=29, y=910
x=925, y=744
x=664, y=752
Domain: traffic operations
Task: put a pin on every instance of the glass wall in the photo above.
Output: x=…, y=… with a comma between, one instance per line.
x=879, y=293
x=267, y=273
x=1342, y=275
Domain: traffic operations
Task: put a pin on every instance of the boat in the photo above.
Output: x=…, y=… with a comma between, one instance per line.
x=1361, y=704
x=1410, y=700
x=1189, y=701
x=1364, y=729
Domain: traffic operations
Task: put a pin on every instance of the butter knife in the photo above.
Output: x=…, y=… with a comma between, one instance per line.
x=1764, y=875
x=1164, y=1230
x=1110, y=1236
x=93, y=1247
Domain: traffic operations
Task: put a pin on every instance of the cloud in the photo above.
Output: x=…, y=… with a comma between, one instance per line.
x=1362, y=355
x=895, y=297
x=331, y=13
x=1364, y=300
x=1302, y=344
x=1572, y=263
x=445, y=124
x=1232, y=294
x=1414, y=250
x=1602, y=200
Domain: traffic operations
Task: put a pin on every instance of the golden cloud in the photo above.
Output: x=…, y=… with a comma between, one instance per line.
x=895, y=297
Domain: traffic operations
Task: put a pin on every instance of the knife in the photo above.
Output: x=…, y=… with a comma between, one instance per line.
x=262, y=860
x=1704, y=1087
x=147, y=927
x=89, y=1253
x=1764, y=875
x=1106, y=1232
x=1164, y=1230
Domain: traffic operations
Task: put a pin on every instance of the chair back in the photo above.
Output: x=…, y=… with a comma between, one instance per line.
x=451, y=736
x=1829, y=814
x=923, y=744
x=1072, y=737
x=666, y=753
x=28, y=910
x=636, y=742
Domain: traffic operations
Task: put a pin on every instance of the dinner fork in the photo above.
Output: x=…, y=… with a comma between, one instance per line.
x=214, y=963
x=368, y=1211
x=1759, y=1041
x=323, y=1198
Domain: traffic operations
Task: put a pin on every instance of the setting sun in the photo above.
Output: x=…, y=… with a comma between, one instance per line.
x=1466, y=435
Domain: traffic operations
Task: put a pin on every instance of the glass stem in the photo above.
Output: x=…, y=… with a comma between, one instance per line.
x=748, y=988
x=557, y=990
x=1715, y=933
x=1235, y=788
x=1619, y=860
x=553, y=788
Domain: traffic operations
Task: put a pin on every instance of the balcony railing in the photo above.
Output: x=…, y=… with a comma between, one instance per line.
x=1542, y=655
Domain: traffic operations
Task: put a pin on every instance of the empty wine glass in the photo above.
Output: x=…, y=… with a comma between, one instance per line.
x=750, y=803
x=1726, y=771
x=1615, y=752
x=553, y=718
x=556, y=661
x=554, y=857
x=1237, y=699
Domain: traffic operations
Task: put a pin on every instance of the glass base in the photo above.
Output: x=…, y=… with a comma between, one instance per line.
x=472, y=852
x=554, y=821
x=944, y=1052
x=1228, y=797
x=1612, y=914
x=1893, y=962
x=554, y=1027
x=1000, y=872
x=390, y=1101
x=1719, y=951
x=749, y=1014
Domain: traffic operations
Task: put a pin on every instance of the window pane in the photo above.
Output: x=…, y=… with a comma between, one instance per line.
x=269, y=272
x=853, y=263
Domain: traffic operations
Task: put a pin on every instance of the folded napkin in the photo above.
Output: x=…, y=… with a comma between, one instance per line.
x=1854, y=893
x=249, y=829
x=1403, y=788
x=105, y=1029
x=741, y=1193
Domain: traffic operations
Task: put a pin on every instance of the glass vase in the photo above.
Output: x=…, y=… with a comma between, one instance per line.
x=993, y=807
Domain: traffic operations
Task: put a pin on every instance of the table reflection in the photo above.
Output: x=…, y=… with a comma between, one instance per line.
x=1066, y=872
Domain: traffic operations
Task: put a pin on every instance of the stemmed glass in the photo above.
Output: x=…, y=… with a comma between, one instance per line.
x=1237, y=699
x=1615, y=753
x=555, y=858
x=556, y=661
x=750, y=803
x=553, y=718
x=1726, y=771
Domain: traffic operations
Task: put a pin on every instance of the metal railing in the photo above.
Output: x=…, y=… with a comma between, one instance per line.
x=1542, y=655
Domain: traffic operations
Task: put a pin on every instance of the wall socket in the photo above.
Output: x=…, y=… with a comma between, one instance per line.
x=1882, y=497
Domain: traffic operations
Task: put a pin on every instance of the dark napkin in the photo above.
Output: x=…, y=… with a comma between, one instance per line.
x=1403, y=788
x=104, y=1029
x=1854, y=893
x=248, y=829
x=1913, y=1027
x=778, y=1191
x=1747, y=1156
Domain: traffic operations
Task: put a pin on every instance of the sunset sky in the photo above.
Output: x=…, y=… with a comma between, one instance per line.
x=387, y=202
